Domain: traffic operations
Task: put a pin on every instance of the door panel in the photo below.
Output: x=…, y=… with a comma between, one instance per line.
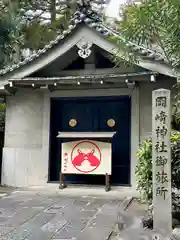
x=92, y=116
x=86, y=114
x=83, y=112
x=119, y=111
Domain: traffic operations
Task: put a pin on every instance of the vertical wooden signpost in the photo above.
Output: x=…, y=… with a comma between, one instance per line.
x=161, y=155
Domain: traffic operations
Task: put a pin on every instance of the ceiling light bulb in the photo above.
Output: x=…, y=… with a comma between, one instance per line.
x=152, y=78
x=126, y=81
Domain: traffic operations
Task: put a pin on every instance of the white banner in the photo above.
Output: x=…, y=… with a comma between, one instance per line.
x=86, y=157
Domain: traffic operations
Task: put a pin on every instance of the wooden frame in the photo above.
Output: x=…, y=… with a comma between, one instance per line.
x=63, y=184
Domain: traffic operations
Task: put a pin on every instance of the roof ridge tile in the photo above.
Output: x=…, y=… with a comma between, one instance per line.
x=93, y=20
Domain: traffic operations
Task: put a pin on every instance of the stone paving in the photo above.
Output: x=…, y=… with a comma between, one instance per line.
x=35, y=216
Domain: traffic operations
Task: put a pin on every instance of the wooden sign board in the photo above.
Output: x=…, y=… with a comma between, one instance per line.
x=86, y=157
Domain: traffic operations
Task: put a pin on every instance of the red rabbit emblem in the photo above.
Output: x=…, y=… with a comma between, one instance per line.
x=81, y=157
x=94, y=161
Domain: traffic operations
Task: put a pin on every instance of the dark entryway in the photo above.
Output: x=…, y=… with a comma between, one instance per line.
x=92, y=115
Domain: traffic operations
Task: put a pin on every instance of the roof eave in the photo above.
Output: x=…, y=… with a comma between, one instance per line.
x=151, y=57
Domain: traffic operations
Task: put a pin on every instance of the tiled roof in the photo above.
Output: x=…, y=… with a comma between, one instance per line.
x=93, y=20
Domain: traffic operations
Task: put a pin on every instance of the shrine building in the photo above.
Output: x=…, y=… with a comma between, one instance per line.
x=73, y=85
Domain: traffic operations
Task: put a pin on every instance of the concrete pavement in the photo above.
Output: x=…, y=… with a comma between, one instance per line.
x=43, y=214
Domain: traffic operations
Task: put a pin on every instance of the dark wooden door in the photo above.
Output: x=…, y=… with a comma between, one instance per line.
x=92, y=115
x=119, y=112
x=84, y=112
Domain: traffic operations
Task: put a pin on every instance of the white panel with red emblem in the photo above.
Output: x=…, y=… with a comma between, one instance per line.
x=86, y=157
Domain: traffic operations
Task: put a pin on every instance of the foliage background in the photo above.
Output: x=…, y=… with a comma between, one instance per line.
x=154, y=24
x=144, y=169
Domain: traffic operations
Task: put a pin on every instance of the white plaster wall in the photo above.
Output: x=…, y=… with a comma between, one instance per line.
x=23, y=162
x=145, y=101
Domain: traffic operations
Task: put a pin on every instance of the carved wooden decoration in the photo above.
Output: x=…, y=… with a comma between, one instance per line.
x=84, y=48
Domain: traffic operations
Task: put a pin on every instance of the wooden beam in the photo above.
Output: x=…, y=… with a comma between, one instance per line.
x=10, y=90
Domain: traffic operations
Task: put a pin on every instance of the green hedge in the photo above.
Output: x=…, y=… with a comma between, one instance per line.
x=144, y=168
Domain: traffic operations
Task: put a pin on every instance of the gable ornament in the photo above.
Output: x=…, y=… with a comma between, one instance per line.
x=84, y=48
